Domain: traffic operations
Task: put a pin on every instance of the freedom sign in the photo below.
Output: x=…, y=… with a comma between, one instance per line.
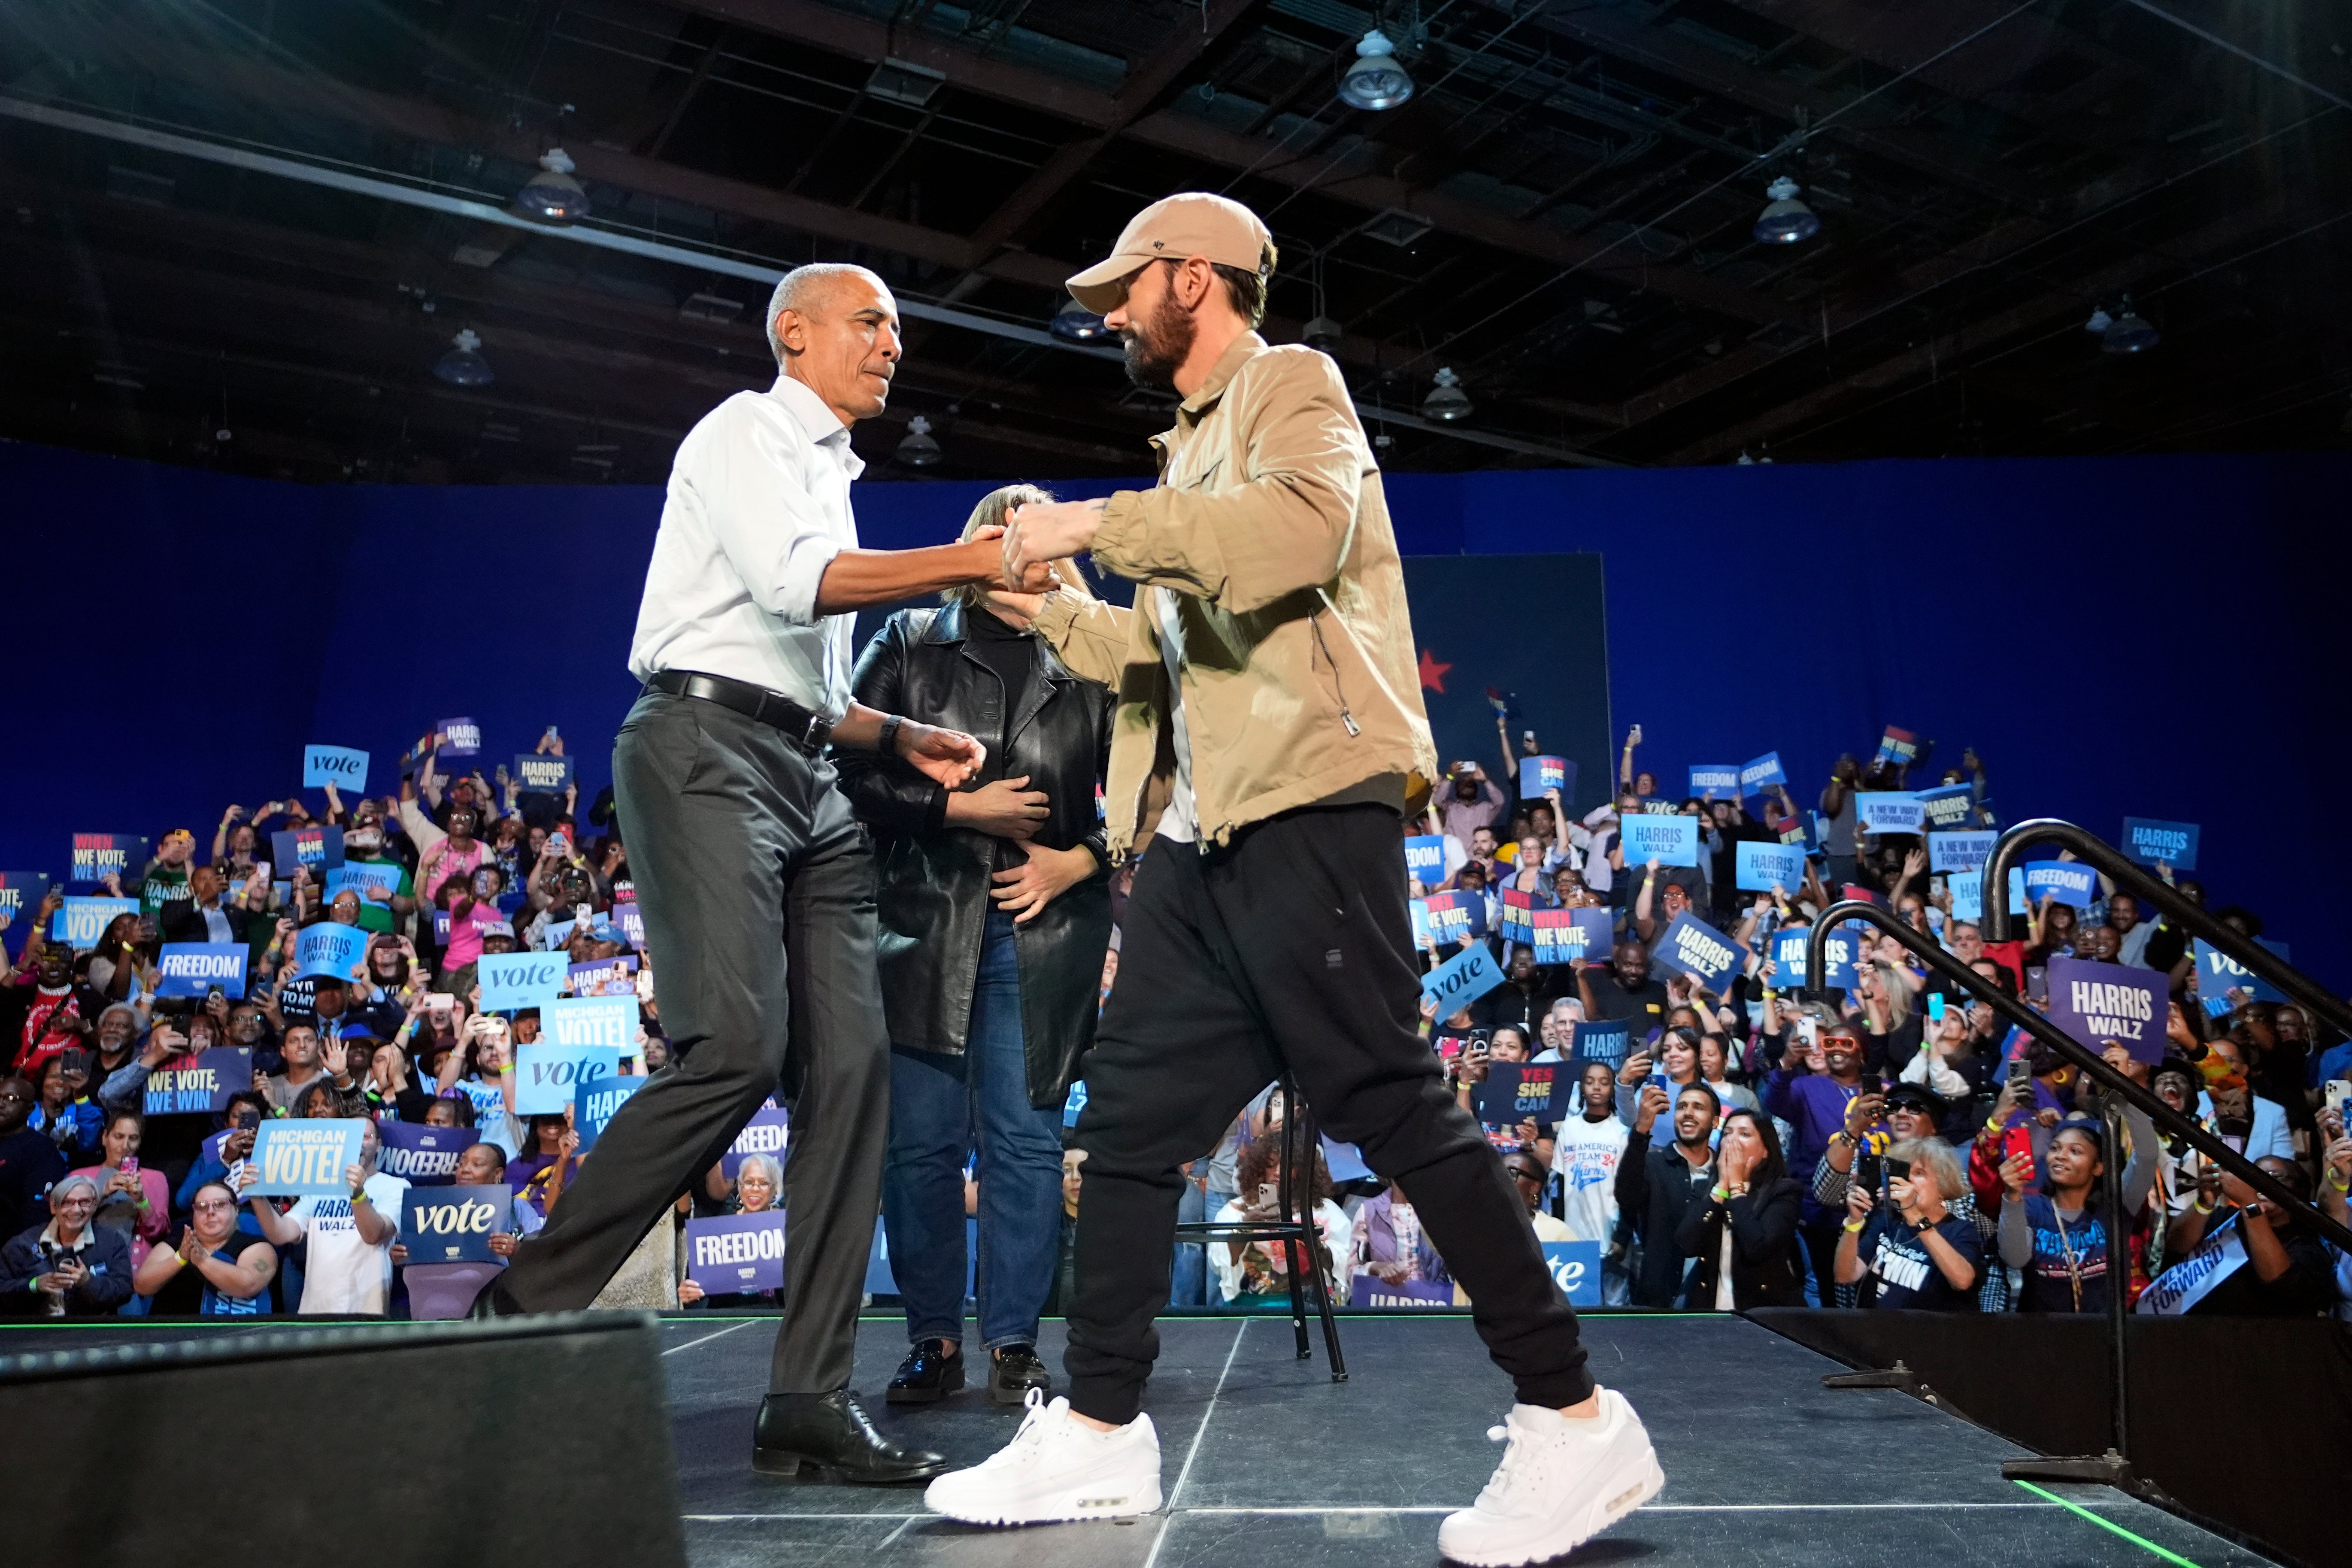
x=2066, y=881
x=80, y=922
x=1761, y=867
x=1564, y=936
x=200, y=1082
x=329, y=952
x=2154, y=843
x=1424, y=858
x=453, y=1223
x=1757, y=777
x=511, y=980
x=338, y=766
x=2096, y=1003
x=1694, y=948
x=548, y=1077
x=1539, y=774
x=305, y=1158
x=768, y=1132
x=97, y=856
x=542, y=773
x=1668, y=840
x=1959, y=851
x=1720, y=779
x=312, y=848
x=192, y=968
x=1462, y=980
x=422, y=1155
x=1888, y=811
x=736, y=1253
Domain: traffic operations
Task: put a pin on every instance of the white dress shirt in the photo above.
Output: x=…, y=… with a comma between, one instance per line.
x=758, y=507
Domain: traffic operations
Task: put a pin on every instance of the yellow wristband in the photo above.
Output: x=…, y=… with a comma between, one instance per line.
x=1854, y=1228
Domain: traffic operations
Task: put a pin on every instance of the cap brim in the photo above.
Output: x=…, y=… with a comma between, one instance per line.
x=1101, y=287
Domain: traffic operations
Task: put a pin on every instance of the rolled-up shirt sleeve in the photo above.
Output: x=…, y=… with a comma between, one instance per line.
x=751, y=479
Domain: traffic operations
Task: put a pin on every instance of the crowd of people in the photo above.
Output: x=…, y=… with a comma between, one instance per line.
x=1760, y=1142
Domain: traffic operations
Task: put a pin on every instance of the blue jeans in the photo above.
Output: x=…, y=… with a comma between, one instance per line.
x=941, y=1106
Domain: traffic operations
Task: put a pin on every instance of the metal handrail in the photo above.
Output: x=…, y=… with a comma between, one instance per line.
x=2092, y=1065
x=2102, y=857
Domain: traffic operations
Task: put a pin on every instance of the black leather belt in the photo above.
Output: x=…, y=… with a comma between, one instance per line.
x=806, y=730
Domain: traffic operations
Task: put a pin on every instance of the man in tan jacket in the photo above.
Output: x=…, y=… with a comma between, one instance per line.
x=1268, y=737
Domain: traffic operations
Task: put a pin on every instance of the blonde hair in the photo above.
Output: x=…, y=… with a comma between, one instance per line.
x=991, y=513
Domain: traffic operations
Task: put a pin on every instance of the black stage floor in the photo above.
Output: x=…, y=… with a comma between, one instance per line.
x=1267, y=1461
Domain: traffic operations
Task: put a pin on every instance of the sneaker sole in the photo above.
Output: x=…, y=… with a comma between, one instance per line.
x=1598, y=1517
x=1070, y=1508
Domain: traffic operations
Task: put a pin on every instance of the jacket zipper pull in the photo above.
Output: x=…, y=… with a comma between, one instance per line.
x=1348, y=719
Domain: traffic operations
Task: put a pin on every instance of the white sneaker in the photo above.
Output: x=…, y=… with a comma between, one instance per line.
x=1561, y=1482
x=1056, y=1468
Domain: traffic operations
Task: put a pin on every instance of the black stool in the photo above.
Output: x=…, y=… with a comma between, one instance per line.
x=1301, y=1242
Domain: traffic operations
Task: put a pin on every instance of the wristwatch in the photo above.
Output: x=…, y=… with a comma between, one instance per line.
x=887, y=742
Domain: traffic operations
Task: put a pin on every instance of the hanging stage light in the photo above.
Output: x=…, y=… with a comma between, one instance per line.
x=2130, y=333
x=1787, y=220
x=1376, y=80
x=1076, y=324
x=464, y=365
x=553, y=195
x=1446, y=401
x=917, y=449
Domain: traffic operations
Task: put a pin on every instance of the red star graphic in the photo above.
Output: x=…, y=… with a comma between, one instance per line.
x=1432, y=674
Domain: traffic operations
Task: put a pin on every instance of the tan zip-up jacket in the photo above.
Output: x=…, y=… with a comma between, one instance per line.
x=1269, y=525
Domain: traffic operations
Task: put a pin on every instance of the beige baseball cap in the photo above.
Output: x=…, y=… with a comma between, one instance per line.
x=1171, y=229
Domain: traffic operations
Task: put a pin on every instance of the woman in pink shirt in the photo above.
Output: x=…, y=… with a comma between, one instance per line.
x=132, y=1199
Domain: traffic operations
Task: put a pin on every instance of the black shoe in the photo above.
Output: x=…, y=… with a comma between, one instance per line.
x=925, y=1376
x=1017, y=1371
x=832, y=1432
x=492, y=1303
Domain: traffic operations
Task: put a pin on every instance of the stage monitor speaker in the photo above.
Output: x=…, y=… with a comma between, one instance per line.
x=540, y=1439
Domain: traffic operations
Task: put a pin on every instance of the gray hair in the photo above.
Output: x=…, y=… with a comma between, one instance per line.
x=767, y=1166
x=803, y=287
x=68, y=1184
x=1938, y=1156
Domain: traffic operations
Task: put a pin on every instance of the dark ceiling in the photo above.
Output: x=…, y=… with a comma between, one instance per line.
x=222, y=218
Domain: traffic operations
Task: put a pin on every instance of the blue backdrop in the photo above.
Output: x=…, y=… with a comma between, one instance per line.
x=2151, y=636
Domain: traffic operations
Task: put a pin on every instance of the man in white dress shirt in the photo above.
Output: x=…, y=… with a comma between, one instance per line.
x=757, y=884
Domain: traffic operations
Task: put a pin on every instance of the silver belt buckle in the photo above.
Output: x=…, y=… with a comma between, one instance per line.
x=812, y=739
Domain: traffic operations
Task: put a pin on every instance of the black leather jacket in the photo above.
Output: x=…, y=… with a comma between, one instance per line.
x=933, y=901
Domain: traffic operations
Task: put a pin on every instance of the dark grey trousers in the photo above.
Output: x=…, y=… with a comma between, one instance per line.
x=758, y=892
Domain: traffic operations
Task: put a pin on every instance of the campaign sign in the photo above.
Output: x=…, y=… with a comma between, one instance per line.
x=1760, y=774
x=1449, y=917
x=608, y=1021
x=338, y=766
x=314, y=849
x=440, y=928
x=1792, y=949
x=595, y=1101
x=457, y=738
x=515, y=980
x=1564, y=936
x=768, y=1132
x=2098, y=1003
x=1897, y=745
x=453, y=1223
x=1602, y=1042
x=2066, y=881
x=1418, y=909
x=1424, y=858
x=2152, y=842
x=1948, y=807
x=1959, y=851
x=1462, y=980
x=1967, y=894
x=1521, y=1091
x=1370, y=1292
x=1576, y=1268
x=1840, y=948
x=365, y=879
x=1796, y=832
x=203, y=1081
x=1662, y=805
x=1668, y=840
x=20, y=894
x=736, y=1253
x=1888, y=811
x=604, y=976
x=2218, y=975
x=1343, y=1162
x=192, y=968
x=541, y=772
x=1518, y=913
x=301, y=1158
x=1539, y=774
x=422, y=1155
x=1720, y=779
x=327, y=952
x=1693, y=947
x=630, y=921
x=97, y=856
x=548, y=1077
x=1761, y=867
x=80, y=922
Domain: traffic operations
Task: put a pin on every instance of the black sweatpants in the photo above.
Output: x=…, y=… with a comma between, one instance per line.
x=1291, y=944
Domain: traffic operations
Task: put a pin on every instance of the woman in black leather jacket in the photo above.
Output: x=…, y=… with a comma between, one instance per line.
x=993, y=914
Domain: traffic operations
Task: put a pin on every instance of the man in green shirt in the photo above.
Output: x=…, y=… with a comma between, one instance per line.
x=166, y=879
x=363, y=848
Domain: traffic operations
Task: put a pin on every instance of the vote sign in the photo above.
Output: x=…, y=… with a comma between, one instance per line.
x=305, y=1158
x=422, y=1155
x=1449, y=917
x=201, y=1082
x=97, y=856
x=2096, y=1003
x=610, y=1021
x=2151, y=843
x=2218, y=975
x=768, y=1132
x=1461, y=980
x=1565, y=936
x=548, y=1077
x=511, y=980
x=20, y=894
x=1518, y=917
x=1761, y=867
x=1575, y=1268
x=80, y=922
x=542, y=773
x=454, y=1225
x=736, y=1253
x=1668, y=840
x=338, y=766
x=1691, y=946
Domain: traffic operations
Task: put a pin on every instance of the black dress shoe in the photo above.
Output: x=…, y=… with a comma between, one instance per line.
x=1017, y=1371
x=832, y=1432
x=925, y=1376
